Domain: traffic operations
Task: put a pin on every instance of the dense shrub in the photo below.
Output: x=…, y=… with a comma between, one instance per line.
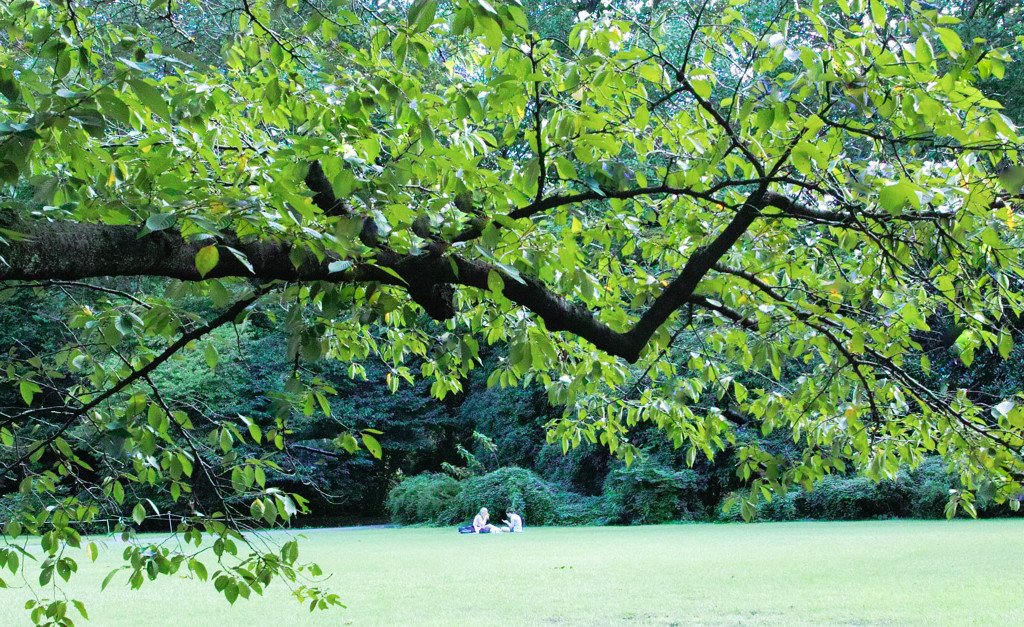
x=650, y=493
x=781, y=507
x=920, y=493
x=853, y=498
x=582, y=469
x=426, y=498
x=521, y=490
x=578, y=509
x=441, y=500
x=930, y=485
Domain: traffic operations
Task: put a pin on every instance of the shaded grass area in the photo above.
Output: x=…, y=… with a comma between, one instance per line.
x=849, y=573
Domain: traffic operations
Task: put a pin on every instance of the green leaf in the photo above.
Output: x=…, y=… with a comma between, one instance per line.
x=801, y=158
x=9, y=87
x=566, y=170
x=114, y=108
x=1005, y=345
x=242, y=258
x=702, y=88
x=160, y=221
x=151, y=97
x=198, y=568
x=28, y=390
x=339, y=266
x=372, y=445
x=138, y=513
x=400, y=47
x=893, y=198
x=207, y=259
x=494, y=282
x=493, y=36
x=923, y=51
x=421, y=14
x=878, y=13
x=642, y=117
x=112, y=336
x=348, y=442
x=652, y=72
x=256, y=434
x=106, y=580
x=226, y=440
x=951, y=41
x=211, y=355
x=81, y=608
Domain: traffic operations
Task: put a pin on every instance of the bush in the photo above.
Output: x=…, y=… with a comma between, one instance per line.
x=650, y=493
x=577, y=509
x=781, y=507
x=509, y=488
x=920, y=493
x=931, y=483
x=426, y=498
x=853, y=498
x=441, y=500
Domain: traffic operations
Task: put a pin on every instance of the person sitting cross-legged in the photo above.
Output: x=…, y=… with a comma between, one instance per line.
x=480, y=524
x=513, y=523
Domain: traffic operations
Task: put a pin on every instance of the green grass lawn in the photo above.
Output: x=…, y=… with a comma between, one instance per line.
x=885, y=572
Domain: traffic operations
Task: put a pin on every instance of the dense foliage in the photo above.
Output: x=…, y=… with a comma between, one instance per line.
x=726, y=224
x=425, y=498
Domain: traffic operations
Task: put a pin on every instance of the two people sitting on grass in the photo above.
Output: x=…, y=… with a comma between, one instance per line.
x=513, y=523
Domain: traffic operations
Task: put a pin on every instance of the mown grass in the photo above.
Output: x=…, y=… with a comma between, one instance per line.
x=884, y=572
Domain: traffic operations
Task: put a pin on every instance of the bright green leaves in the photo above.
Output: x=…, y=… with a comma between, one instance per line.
x=912, y=316
x=211, y=356
x=372, y=445
x=923, y=52
x=702, y=88
x=653, y=73
x=894, y=197
x=421, y=14
x=951, y=41
x=138, y=513
x=436, y=140
x=28, y=390
x=878, y=15
x=348, y=442
x=151, y=97
x=207, y=259
x=804, y=156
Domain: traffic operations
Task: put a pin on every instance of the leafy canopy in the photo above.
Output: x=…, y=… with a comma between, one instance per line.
x=811, y=193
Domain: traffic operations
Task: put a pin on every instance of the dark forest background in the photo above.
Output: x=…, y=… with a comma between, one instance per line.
x=485, y=446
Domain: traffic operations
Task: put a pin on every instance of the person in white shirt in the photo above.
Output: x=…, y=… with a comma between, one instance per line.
x=480, y=524
x=513, y=523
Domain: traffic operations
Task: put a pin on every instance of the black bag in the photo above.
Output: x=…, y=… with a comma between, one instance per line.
x=466, y=529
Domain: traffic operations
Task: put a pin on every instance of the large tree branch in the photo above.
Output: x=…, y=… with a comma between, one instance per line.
x=71, y=251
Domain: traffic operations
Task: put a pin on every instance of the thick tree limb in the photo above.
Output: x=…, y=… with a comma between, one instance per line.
x=71, y=251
